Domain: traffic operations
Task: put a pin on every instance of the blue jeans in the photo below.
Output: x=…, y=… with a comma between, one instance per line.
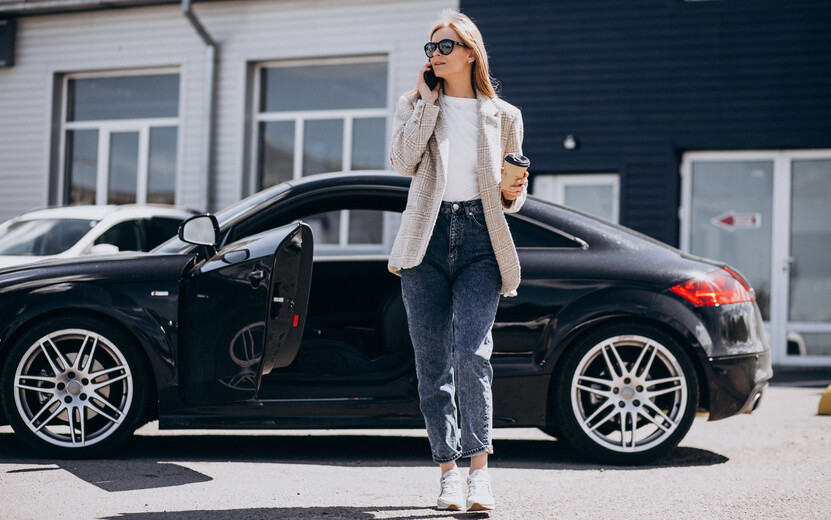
x=451, y=300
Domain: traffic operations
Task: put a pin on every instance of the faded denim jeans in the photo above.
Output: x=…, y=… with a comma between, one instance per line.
x=451, y=300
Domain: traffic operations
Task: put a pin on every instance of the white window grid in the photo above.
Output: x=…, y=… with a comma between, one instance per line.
x=105, y=129
x=299, y=117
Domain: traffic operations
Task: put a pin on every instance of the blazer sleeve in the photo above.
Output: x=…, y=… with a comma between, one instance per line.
x=515, y=135
x=413, y=124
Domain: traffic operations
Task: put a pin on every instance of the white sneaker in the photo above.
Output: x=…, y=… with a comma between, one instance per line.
x=451, y=497
x=479, y=494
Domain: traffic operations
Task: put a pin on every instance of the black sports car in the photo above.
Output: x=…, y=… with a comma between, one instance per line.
x=613, y=343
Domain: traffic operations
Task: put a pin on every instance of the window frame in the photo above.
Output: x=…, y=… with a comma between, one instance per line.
x=559, y=183
x=106, y=127
x=299, y=117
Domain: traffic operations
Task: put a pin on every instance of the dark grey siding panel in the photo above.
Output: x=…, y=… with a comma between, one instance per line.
x=640, y=82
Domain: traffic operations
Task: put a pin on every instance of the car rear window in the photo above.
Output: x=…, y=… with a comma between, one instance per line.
x=529, y=234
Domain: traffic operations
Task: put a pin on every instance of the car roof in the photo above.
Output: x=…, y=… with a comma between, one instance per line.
x=354, y=178
x=99, y=212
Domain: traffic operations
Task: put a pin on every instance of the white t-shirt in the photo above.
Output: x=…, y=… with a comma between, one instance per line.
x=462, y=116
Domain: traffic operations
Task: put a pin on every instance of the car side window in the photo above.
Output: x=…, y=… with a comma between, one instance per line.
x=159, y=229
x=353, y=232
x=528, y=234
x=124, y=235
x=344, y=224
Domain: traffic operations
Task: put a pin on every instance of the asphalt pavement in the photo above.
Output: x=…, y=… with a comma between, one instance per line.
x=772, y=464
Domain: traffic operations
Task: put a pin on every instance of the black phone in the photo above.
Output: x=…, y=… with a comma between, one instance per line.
x=431, y=79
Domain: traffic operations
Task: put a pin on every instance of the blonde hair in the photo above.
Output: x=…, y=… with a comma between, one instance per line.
x=470, y=36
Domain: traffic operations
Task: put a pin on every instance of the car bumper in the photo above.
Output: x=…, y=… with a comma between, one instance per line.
x=738, y=383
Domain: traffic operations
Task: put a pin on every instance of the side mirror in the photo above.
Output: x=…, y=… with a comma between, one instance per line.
x=201, y=230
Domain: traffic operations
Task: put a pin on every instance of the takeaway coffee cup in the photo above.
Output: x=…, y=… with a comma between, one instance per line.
x=513, y=168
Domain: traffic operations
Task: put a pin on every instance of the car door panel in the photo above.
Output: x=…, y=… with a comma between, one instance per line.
x=242, y=314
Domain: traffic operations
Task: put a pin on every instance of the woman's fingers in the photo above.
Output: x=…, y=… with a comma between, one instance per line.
x=515, y=190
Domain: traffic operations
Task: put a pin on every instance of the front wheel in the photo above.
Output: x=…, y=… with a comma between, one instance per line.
x=74, y=387
x=625, y=394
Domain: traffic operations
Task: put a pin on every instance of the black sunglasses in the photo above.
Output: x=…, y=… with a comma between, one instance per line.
x=445, y=47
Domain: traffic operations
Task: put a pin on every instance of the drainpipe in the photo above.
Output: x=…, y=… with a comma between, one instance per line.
x=208, y=97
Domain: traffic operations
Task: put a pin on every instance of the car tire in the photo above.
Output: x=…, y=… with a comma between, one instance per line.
x=74, y=387
x=625, y=394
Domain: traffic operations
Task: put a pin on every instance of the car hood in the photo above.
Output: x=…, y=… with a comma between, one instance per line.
x=119, y=268
x=11, y=261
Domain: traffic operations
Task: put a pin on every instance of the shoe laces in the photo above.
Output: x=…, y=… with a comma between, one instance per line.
x=451, y=483
x=479, y=482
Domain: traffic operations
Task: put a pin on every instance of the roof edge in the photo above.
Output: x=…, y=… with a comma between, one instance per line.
x=15, y=8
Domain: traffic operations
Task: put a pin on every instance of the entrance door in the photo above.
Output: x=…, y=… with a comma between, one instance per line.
x=767, y=214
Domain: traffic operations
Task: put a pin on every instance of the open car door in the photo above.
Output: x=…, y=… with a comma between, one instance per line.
x=243, y=313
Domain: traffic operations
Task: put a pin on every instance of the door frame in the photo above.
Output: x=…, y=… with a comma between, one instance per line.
x=780, y=261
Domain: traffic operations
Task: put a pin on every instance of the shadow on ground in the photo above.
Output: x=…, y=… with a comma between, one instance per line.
x=151, y=461
x=349, y=513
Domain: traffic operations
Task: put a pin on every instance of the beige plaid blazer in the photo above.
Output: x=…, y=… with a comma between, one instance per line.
x=420, y=148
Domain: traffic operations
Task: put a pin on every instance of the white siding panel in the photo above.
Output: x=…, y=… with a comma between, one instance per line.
x=248, y=32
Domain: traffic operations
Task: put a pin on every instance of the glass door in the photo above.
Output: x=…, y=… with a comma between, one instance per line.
x=809, y=282
x=731, y=212
x=767, y=214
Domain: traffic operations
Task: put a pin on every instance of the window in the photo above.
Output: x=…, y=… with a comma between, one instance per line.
x=354, y=232
x=528, y=234
x=158, y=229
x=120, y=138
x=126, y=236
x=596, y=194
x=350, y=222
x=320, y=116
x=42, y=237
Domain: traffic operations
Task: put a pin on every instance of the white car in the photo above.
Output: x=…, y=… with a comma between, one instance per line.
x=72, y=231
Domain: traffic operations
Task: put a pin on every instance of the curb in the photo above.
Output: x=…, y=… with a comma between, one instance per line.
x=825, y=402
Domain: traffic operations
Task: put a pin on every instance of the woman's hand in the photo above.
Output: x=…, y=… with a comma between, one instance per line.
x=515, y=190
x=429, y=96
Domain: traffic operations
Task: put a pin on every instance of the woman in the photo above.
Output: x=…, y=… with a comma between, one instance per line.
x=454, y=251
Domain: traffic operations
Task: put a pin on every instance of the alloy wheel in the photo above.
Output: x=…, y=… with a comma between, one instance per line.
x=629, y=393
x=73, y=388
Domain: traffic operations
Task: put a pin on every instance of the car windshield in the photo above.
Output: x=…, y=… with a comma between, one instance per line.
x=42, y=237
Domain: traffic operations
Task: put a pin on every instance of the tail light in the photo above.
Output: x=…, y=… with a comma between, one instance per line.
x=720, y=287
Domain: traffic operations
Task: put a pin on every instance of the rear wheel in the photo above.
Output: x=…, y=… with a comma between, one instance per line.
x=74, y=387
x=625, y=394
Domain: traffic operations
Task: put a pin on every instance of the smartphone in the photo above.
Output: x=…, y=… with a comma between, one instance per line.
x=431, y=79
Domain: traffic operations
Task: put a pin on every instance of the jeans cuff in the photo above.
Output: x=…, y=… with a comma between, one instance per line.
x=478, y=451
x=445, y=460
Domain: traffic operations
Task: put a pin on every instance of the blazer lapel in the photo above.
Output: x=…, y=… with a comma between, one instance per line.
x=489, y=144
x=443, y=142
